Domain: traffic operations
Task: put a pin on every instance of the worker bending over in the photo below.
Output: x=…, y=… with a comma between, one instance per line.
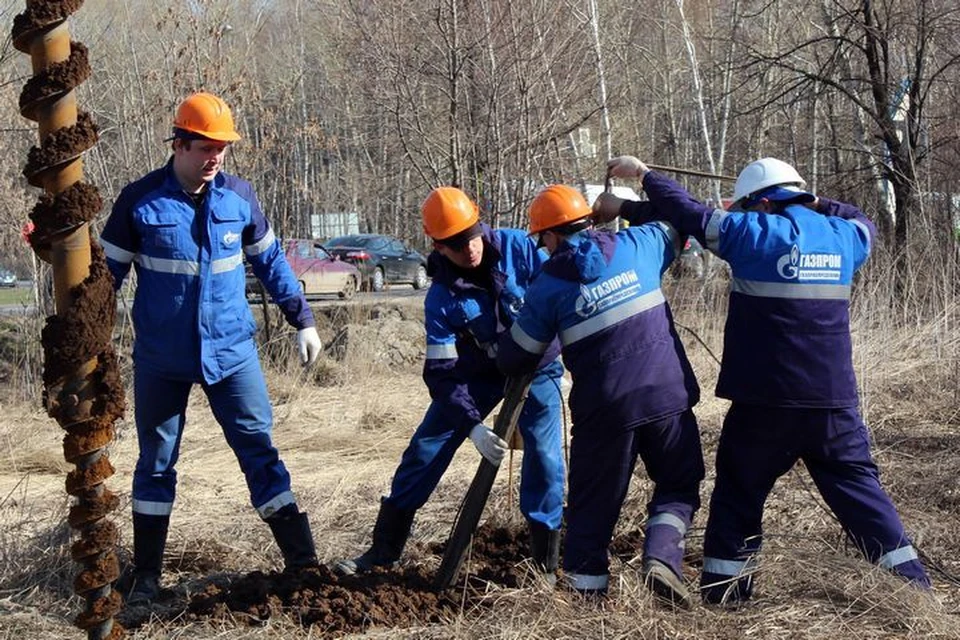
x=633, y=387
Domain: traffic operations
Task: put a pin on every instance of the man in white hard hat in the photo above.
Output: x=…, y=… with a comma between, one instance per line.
x=787, y=363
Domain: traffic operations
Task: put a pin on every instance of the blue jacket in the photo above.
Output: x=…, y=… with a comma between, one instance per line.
x=600, y=292
x=787, y=336
x=465, y=314
x=190, y=312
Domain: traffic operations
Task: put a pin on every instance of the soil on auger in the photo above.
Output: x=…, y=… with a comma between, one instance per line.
x=384, y=598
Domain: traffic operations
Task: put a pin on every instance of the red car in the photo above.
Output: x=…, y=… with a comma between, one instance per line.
x=319, y=272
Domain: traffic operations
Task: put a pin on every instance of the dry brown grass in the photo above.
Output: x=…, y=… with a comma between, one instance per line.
x=342, y=435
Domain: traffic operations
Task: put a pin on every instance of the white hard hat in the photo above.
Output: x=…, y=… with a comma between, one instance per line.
x=763, y=173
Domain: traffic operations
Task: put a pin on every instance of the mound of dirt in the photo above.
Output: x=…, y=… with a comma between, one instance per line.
x=335, y=605
x=391, y=342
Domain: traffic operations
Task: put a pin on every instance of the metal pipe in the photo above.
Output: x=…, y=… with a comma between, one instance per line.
x=691, y=172
x=82, y=389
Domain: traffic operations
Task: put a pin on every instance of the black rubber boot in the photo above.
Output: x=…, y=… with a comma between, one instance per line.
x=293, y=536
x=390, y=535
x=149, y=540
x=545, y=550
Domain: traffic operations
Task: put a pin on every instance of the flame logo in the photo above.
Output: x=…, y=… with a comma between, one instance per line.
x=586, y=302
x=787, y=264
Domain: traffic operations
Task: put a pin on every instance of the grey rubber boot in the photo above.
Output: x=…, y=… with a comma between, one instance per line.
x=390, y=535
x=545, y=550
x=293, y=536
x=666, y=585
x=149, y=541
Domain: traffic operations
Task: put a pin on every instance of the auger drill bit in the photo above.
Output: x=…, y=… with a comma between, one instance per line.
x=82, y=387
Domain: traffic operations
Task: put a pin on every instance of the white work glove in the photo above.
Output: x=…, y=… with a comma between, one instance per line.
x=626, y=167
x=606, y=208
x=489, y=444
x=308, y=341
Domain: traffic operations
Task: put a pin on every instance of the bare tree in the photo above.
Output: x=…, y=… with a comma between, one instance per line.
x=888, y=60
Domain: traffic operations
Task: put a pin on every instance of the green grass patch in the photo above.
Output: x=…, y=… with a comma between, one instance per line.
x=16, y=295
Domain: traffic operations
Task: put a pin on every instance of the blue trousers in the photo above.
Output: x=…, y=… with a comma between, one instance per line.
x=542, y=473
x=242, y=408
x=760, y=444
x=602, y=461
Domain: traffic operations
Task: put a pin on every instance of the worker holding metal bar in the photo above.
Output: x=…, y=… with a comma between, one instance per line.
x=787, y=363
x=633, y=387
x=479, y=276
x=185, y=228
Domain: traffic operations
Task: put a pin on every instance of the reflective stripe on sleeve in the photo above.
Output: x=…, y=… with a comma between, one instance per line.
x=224, y=265
x=672, y=236
x=611, y=317
x=898, y=556
x=712, y=231
x=866, y=232
x=790, y=290
x=147, y=508
x=279, y=501
x=117, y=254
x=261, y=245
x=527, y=343
x=441, y=351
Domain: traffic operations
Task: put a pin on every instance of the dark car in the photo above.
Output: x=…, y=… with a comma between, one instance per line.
x=318, y=271
x=381, y=259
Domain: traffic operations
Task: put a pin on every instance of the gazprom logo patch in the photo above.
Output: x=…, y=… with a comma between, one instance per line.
x=609, y=292
x=230, y=237
x=809, y=266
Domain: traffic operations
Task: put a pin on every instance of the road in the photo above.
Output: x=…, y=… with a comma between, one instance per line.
x=398, y=293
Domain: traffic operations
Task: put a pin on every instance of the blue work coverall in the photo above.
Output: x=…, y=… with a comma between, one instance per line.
x=193, y=326
x=633, y=390
x=788, y=369
x=464, y=318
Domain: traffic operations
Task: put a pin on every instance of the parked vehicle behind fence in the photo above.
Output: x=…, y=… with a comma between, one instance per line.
x=691, y=259
x=319, y=272
x=381, y=259
x=7, y=278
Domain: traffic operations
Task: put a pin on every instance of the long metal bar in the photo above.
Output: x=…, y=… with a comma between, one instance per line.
x=692, y=172
x=479, y=491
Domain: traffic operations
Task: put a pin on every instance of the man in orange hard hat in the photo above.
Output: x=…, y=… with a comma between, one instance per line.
x=479, y=278
x=185, y=229
x=633, y=387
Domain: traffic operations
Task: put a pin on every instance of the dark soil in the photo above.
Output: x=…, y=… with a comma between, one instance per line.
x=39, y=15
x=61, y=146
x=78, y=203
x=56, y=80
x=334, y=606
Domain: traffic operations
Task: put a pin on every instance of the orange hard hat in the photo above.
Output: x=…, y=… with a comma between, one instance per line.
x=206, y=115
x=447, y=211
x=555, y=206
